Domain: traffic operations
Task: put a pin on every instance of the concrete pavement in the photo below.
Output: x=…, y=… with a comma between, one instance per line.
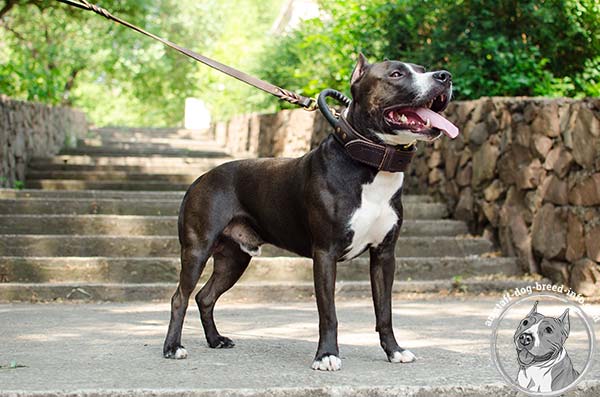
x=115, y=349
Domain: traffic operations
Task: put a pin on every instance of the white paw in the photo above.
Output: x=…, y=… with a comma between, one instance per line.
x=256, y=251
x=180, y=353
x=327, y=363
x=404, y=356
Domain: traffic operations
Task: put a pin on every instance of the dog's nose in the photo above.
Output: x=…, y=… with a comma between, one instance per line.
x=443, y=76
x=525, y=339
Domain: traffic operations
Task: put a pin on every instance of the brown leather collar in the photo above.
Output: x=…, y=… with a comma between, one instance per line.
x=381, y=156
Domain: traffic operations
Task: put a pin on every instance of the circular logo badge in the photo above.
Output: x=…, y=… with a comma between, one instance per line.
x=542, y=344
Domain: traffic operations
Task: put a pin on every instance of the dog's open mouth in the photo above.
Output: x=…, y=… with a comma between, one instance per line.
x=525, y=356
x=421, y=119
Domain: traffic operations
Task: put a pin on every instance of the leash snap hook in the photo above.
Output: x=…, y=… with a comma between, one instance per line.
x=313, y=105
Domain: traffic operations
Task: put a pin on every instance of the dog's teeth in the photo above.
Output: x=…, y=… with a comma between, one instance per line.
x=428, y=123
x=430, y=104
x=403, y=118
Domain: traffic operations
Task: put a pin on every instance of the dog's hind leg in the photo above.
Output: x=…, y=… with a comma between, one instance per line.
x=193, y=260
x=230, y=262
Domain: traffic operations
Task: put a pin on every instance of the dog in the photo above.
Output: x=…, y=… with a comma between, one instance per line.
x=544, y=363
x=324, y=205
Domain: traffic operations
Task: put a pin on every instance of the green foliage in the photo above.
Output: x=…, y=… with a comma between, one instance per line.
x=56, y=54
x=243, y=33
x=492, y=47
x=12, y=365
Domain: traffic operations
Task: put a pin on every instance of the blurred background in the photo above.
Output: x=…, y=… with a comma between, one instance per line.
x=55, y=54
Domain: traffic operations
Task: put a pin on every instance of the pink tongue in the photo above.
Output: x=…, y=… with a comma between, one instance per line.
x=438, y=121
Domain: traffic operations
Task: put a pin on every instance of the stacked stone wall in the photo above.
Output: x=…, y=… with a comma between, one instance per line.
x=526, y=172
x=29, y=130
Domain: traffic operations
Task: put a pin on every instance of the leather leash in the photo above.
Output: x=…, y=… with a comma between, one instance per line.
x=283, y=94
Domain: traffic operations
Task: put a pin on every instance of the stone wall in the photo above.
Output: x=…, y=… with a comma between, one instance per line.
x=30, y=130
x=289, y=133
x=524, y=171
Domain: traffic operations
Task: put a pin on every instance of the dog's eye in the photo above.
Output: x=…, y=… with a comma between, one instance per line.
x=396, y=74
x=525, y=322
x=549, y=330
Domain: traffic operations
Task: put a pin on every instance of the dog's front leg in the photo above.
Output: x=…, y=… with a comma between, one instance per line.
x=383, y=266
x=324, y=270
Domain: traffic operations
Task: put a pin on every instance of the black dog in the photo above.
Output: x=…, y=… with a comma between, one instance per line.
x=324, y=205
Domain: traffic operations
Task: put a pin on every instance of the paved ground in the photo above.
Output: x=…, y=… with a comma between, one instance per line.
x=115, y=349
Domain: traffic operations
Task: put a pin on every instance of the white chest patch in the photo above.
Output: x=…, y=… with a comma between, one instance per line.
x=539, y=377
x=375, y=217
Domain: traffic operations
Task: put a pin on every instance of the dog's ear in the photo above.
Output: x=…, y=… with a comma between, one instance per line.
x=533, y=310
x=566, y=323
x=359, y=69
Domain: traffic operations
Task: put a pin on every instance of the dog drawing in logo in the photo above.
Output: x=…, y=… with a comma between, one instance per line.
x=544, y=363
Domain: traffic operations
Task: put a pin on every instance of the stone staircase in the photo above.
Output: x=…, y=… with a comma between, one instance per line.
x=99, y=222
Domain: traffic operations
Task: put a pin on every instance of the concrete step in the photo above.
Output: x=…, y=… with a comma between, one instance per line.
x=137, y=195
x=115, y=176
x=135, y=151
x=149, y=142
x=151, y=206
x=144, y=134
x=135, y=246
x=96, y=194
x=251, y=292
x=73, y=184
x=129, y=161
x=189, y=169
x=279, y=269
x=128, y=225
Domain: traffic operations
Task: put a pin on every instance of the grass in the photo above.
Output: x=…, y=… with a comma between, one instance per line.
x=13, y=365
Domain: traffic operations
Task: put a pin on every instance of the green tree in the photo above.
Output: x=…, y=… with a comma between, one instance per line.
x=56, y=54
x=507, y=47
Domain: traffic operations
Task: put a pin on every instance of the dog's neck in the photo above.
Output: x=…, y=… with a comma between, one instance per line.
x=357, y=119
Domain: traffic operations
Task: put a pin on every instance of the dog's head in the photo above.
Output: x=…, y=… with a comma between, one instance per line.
x=399, y=103
x=539, y=338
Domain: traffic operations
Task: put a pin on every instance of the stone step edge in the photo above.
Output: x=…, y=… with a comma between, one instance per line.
x=99, y=140
x=169, y=195
x=140, y=270
x=115, y=224
x=174, y=217
x=78, y=175
x=589, y=388
x=166, y=200
x=143, y=152
x=155, y=160
x=46, y=183
x=170, y=236
x=260, y=258
x=246, y=291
